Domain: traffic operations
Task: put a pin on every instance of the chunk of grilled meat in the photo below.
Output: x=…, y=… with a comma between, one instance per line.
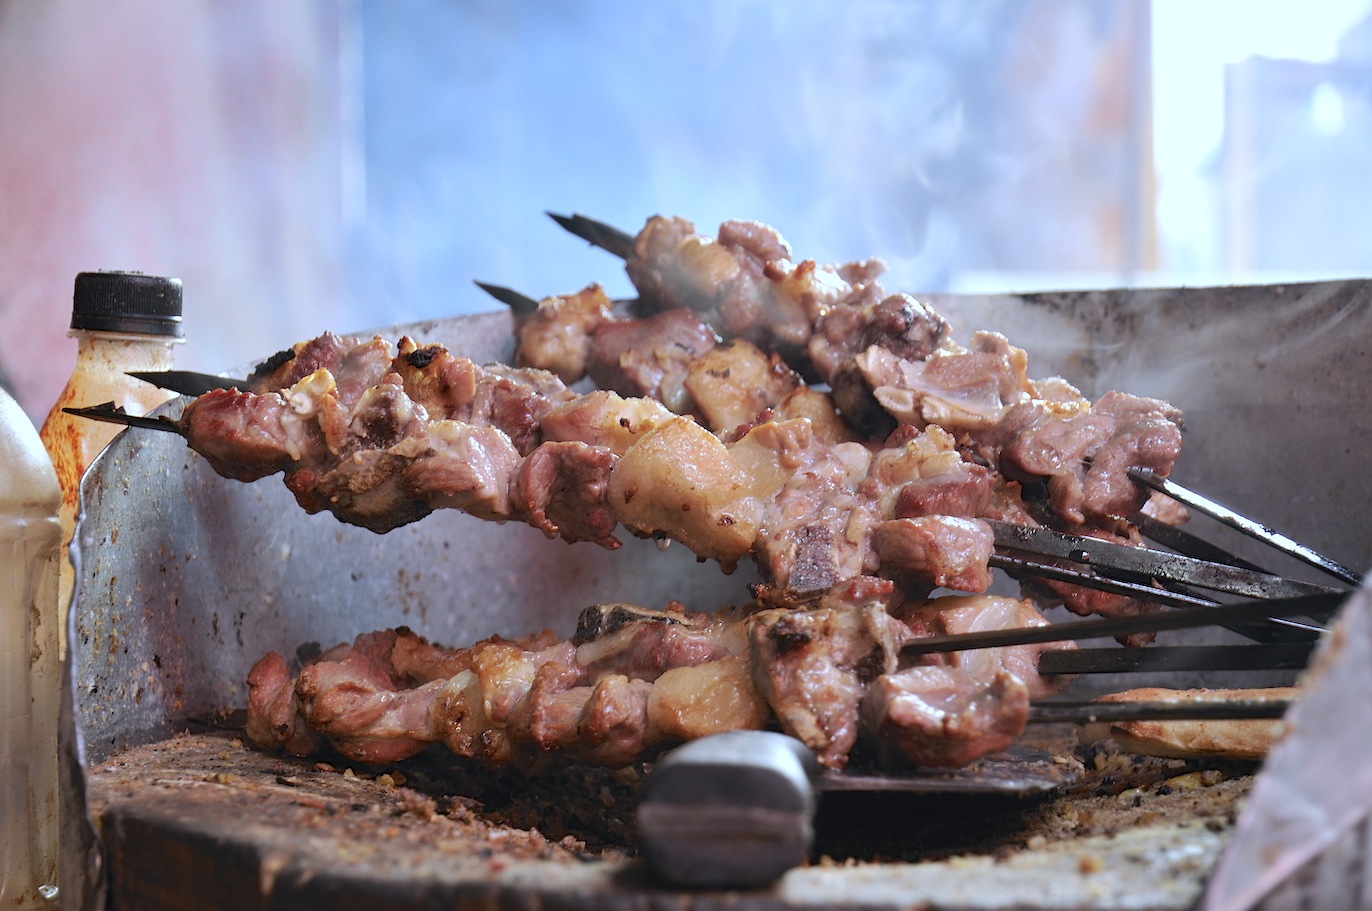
x=814, y=666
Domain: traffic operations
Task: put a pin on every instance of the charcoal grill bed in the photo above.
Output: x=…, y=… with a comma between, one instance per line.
x=203, y=821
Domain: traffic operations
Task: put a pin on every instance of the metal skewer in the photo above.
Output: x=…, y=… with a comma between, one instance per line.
x=1183, y=542
x=1088, y=579
x=1190, y=618
x=187, y=382
x=112, y=414
x=1244, y=524
x=597, y=234
x=1172, y=658
x=1192, y=710
x=1118, y=560
x=518, y=303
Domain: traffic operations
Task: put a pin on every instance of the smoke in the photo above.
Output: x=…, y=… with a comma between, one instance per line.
x=346, y=165
x=872, y=128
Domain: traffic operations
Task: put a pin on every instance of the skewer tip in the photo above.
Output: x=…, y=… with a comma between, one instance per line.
x=520, y=304
x=113, y=414
x=597, y=234
x=187, y=382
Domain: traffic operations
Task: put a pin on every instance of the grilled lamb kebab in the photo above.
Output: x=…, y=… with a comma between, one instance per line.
x=743, y=286
x=633, y=681
x=382, y=437
x=888, y=359
x=433, y=430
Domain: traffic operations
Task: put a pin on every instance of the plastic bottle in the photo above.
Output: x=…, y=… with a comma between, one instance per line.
x=122, y=321
x=30, y=669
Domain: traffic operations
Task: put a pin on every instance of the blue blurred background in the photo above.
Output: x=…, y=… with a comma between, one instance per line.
x=345, y=164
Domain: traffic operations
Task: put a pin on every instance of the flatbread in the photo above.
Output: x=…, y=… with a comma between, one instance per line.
x=1247, y=739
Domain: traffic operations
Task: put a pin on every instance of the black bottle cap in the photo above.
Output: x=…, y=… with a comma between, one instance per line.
x=127, y=302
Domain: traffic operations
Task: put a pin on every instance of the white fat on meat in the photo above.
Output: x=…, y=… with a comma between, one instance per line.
x=801, y=295
x=956, y=388
x=960, y=614
x=693, y=701
x=926, y=474
x=819, y=409
x=737, y=381
x=680, y=481
x=604, y=418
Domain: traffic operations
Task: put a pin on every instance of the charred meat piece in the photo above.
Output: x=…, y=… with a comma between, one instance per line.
x=288, y=367
x=813, y=668
x=941, y=716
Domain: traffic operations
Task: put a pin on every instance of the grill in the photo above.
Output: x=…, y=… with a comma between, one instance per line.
x=169, y=614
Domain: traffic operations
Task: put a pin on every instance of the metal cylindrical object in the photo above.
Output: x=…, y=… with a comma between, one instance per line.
x=733, y=810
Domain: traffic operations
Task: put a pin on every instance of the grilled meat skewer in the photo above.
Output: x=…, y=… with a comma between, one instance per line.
x=839, y=677
x=633, y=681
x=848, y=528
x=745, y=286
x=381, y=437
